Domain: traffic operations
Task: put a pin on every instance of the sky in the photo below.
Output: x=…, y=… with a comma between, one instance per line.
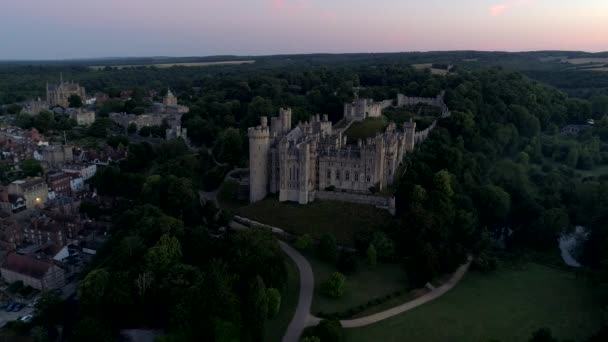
x=64, y=29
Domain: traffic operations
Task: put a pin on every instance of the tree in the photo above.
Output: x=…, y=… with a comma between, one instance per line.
x=371, y=255
x=89, y=329
x=274, y=301
x=311, y=339
x=494, y=204
x=329, y=331
x=75, y=101
x=166, y=253
x=384, y=246
x=257, y=308
x=92, y=289
x=132, y=128
x=443, y=182
x=304, y=242
x=228, y=147
x=335, y=285
x=327, y=249
x=99, y=128
x=49, y=310
x=543, y=335
x=31, y=168
x=13, y=109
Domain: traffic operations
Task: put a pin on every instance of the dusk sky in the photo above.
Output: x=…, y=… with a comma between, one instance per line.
x=58, y=29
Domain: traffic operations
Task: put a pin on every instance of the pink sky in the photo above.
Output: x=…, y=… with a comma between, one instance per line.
x=75, y=28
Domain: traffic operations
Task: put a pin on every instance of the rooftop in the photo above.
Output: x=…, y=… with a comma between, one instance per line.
x=26, y=265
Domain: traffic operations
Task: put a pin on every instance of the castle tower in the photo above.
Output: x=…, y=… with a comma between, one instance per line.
x=410, y=135
x=259, y=146
x=285, y=116
x=169, y=99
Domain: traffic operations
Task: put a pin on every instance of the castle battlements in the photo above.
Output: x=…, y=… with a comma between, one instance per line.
x=298, y=163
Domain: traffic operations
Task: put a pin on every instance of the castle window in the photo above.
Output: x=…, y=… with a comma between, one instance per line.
x=328, y=174
x=369, y=179
x=347, y=175
x=337, y=174
x=356, y=177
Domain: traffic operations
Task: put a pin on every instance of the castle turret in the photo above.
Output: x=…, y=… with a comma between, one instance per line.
x=285, y=116
x=169, y=99
x=410, y=133
x=259, y=145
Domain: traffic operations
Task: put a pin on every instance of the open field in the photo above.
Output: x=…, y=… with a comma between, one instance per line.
x=578, y=61
x=366, y=284
x=441, y=72
x=341, y=219
x=170, y=65
x=507, y=305
x=367, y=128
x=276, y=326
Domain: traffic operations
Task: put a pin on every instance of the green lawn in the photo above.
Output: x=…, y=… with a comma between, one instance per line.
x=276, y=327
x=341, y=219
x=507, y=305
x=364, y=285
x=367, y=128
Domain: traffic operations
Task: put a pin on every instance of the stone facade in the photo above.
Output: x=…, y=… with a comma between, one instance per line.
x=34, y=191
x=34, y=107
x=84, y=117
x=314, y=157
x=58, y=94
x=39, y=274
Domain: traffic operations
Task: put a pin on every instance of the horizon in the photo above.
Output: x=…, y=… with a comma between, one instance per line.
x=288, y=54
x=42, y=30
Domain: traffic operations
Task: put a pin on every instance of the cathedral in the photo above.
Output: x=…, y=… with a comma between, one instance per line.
x=58, y=94
x=313, y=160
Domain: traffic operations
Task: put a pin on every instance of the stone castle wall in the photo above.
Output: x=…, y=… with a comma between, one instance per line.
x=378, y=201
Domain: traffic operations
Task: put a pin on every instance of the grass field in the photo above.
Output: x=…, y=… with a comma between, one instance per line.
x=367, y=128
x=508, y=305
x=364, y=285
x=170, y=65
x=339, y=218
x=276, y=327
x=578, y=61
x=434, y=71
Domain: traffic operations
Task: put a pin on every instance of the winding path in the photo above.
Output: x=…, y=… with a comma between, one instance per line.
x=302, y=317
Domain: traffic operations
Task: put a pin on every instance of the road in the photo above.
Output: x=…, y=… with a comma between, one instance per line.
x=302, y=317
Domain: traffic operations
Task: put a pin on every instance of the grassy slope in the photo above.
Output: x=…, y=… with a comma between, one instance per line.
x=364, y=285
x=276, y=327
x=507, y=305
x=367, y=128
x=339, y=218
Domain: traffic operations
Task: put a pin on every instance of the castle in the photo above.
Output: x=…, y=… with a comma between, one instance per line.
x=58, y=94
x=313, y=160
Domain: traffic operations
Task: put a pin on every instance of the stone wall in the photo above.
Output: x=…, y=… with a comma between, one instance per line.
x=382, y=202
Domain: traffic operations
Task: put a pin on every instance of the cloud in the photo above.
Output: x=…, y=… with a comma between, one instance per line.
x=499, y=9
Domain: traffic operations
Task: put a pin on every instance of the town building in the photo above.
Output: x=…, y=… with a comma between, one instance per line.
x=34, y=107
x=54, y=155
x=315, y=160
x=85, y=171
x=39, y=274
x=59, y=183
x=34, y=191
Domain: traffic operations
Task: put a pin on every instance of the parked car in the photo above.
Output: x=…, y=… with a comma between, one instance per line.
x=9, y=307
x=26, y=318
x=17, y=307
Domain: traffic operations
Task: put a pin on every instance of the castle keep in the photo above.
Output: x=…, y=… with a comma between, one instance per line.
x=313, y=160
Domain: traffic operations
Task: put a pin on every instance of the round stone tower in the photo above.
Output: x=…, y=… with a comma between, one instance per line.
x=259, y=145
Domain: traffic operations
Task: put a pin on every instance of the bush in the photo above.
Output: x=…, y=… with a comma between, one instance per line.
x=329, y=331
x=327, y=249
x=484, y=263
x=335, y=286
x=384, y=246
x=304, y=242
x=347, y=262
x=371, y=255
x=274, y=301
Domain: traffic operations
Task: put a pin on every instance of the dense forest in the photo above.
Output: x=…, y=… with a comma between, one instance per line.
x=494, y=178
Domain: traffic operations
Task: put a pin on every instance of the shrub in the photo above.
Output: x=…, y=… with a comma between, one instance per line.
x=384, y=246
x=274, y=301
x=335, y=286
x=304, y=242
x=329, y=331
x=327, y=249
x=371, y=255
x=311, y=339
x=484, y=263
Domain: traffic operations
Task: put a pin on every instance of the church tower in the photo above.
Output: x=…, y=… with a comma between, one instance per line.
x=169, y=99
